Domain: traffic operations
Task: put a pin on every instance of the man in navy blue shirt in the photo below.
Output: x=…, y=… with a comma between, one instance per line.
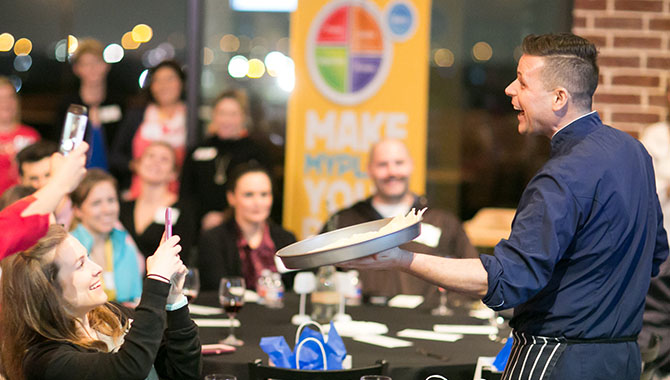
x=587, y=236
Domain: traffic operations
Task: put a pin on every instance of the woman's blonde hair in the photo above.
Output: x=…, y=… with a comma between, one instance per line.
x=33, y=308
x=88, y=46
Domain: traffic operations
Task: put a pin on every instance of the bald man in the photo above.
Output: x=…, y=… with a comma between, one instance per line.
x=390, y=167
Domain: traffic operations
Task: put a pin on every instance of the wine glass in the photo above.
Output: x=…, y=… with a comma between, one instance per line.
x=442, y=309
x=231, y=298
x=375, y=377
x=191, y=286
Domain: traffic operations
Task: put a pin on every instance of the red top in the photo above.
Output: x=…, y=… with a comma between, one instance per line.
x=10, y=144
x=20, y=233
x=155, y=128
x=255, y=260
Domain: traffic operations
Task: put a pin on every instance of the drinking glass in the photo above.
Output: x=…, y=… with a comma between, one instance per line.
x=220, y=376
x=231, y=298
x=375, y=377
x=191, y=284
x=442, y=309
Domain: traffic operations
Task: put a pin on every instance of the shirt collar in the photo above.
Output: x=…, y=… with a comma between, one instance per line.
x=567, y=125
x=576, y=129
x=266, y=242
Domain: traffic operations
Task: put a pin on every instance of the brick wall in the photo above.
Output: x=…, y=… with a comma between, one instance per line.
x=633, y=38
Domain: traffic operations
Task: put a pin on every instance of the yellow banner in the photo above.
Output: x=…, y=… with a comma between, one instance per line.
x=361, y=71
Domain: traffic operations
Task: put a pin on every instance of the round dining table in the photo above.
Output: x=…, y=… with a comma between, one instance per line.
x=454, y=360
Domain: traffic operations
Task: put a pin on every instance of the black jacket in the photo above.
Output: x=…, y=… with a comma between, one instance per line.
x=218, y=255
x=199, y=180
x=173, y=350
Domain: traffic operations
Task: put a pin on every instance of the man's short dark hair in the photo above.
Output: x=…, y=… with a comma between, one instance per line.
x=35, y=152
x=570, y=62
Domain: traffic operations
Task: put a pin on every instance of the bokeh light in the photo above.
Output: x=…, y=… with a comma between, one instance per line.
x=207, y=56
x=482, y=51
x=128, y=43
x=256, y=68
x=6, y=42
x=72, y=44
x=142, y=33
x=23, y=46
x=274, y=62
x=60, y=52
x=16, y=81
x=155, y=56
x=229, y=43
x=444, y=58
x=22, y=63
x=286, y=77
x=238, y=66
x=143, y=78
x=113, y=53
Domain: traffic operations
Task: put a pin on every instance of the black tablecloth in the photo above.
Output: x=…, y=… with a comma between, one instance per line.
x=453, y=360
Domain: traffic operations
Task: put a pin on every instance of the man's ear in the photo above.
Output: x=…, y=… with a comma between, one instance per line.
x=560, y=99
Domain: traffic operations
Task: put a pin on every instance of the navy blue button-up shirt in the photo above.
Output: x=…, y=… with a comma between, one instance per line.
x=586, y=239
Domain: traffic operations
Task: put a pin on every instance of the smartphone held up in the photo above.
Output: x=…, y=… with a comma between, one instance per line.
x=73, y=128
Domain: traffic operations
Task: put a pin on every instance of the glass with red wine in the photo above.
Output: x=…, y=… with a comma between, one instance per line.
x=191, y=286
x=231, y=298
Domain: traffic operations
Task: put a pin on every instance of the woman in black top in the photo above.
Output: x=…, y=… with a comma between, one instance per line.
x=246, y=242
x=209, y=166
x=57, y=324
x=144, y=217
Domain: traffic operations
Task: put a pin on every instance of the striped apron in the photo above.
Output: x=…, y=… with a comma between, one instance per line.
x=534, y=357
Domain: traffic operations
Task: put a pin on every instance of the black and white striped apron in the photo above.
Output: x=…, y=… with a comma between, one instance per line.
x=534, y=357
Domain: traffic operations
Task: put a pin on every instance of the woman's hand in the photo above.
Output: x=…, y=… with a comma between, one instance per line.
x=176, y=290
x=165, y=262
x=68, y=171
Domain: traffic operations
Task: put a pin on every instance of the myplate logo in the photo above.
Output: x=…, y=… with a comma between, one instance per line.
x=349, y=52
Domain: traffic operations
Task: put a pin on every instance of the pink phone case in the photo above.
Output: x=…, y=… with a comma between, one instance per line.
x=216, y=349
x=168, y=223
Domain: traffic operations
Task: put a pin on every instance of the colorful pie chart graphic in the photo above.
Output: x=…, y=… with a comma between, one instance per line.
x=348, y=53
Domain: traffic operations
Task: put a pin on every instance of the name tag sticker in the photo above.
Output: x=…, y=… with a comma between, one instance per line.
x=205, y=153
x=159, y=216
x=110, y=113
x=430, y=235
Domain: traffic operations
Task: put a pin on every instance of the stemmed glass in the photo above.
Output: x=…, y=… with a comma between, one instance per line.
x=191, y=286
x=442, y=309
x=231, y=298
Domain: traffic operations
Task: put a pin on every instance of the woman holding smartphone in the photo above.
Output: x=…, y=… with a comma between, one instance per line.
x=56, y=322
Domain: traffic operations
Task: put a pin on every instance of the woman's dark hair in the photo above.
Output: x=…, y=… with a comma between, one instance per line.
x=169, y=64
x=92, y=178
x=245, y=168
